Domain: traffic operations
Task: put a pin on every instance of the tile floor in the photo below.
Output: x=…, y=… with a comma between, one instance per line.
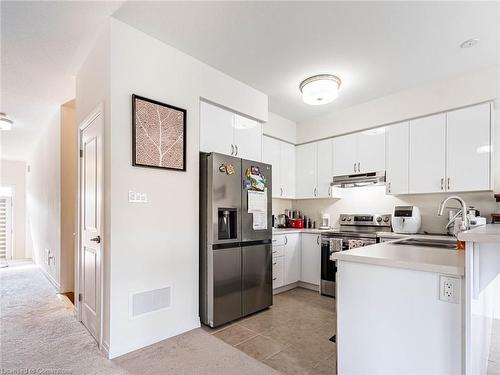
x=291, y=337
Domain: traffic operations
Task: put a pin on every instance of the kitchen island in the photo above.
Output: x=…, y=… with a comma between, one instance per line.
x=393, y=314
x=482, y=291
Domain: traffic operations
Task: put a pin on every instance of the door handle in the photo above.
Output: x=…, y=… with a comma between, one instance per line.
x=354, y=167
x=96, y=239
x=359, y=166
x=232, y=149
x=236, y=148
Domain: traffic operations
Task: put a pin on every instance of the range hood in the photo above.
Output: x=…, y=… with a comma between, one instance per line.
x=360, y=179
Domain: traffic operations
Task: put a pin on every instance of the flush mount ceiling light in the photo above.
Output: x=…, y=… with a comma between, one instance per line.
x=5, y=122
x=320, y=89
x=469, y=43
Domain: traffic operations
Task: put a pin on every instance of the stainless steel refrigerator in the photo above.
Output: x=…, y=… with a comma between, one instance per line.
x=235, y=244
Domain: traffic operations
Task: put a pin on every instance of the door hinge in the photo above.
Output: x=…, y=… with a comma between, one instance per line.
x=79, y=297
x=81, y=153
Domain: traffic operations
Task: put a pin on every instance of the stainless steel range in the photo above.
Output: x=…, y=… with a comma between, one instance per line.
x=355, y=231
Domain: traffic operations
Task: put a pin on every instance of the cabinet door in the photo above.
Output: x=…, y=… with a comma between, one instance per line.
x=344, y=155
x=325, y=168
x=310, y=258
x=396, y=158
x=271, y=153
x=291, y=269
x=216, y=129
x=306, y=186
x=247, y=138
x=278, y=279
x=427, y=154
x=468, y=155
x=287, y=170
x=371, y=150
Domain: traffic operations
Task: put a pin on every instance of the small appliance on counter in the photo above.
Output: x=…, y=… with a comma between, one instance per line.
x=495, y=217
x=406, y=219
x=280, y=221
x=296, y=223
x=325, y=221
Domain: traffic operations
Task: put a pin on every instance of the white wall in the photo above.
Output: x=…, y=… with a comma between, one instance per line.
x=69, y=152
x=13, y=174
x=280, y=127
x=43, y=195
x=156, y=244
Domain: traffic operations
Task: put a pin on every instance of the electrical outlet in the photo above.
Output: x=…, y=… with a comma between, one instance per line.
x=132, y=196
x=449, y=289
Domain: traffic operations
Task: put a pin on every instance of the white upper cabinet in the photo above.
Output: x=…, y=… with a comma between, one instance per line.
x=371, y=150
x=216, y=129
x=281, y=155
x=307, y=170
x=396, y=154
x=345, y=155
x=468, y=151
x=227, y=133
x=247, y=138
x=427, y=155
x=287, y=170
x=325, y=168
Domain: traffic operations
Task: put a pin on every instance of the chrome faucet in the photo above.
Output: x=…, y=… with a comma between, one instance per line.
x=464, y=225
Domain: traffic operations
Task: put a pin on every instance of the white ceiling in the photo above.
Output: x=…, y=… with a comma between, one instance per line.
x=376, y=48
x=42, y=46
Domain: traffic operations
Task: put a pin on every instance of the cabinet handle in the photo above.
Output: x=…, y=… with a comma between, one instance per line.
x=388, y=187
x=330, y=191
x=281, y=192
x=315, y=191
x=448, y=184
x=286, y=240
x=354, y=167
x=274, y=278
x=359, y=166
x=275, y=240
x=274, y=263
x=232, y=149
x=236, y=148
x=317, y=240
x=274, y=252
x=442, y=183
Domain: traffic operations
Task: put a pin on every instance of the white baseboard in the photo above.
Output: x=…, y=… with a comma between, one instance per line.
x=105, y=349
x=298, y=284
x=49, y=277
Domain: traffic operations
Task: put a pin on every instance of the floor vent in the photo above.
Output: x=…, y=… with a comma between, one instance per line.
x=151, y=300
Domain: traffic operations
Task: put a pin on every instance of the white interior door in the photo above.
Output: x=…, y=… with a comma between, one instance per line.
x=468, y=148
x=247, y=138
x=5, y=228
x=325, y=168
x=345, y=155
x=427, y=154
x=91, y=204
x=216, y=129
x=396, y=154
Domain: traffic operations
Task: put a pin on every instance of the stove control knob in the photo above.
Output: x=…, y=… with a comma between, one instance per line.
x=343, y=219
x=386, y=219
x=349, y=218
x=379, y=219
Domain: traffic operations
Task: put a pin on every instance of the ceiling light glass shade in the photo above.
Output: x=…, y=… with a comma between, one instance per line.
x=5, y=122
x=320, y=89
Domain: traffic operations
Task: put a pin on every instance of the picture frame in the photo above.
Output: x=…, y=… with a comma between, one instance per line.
x=158, y=134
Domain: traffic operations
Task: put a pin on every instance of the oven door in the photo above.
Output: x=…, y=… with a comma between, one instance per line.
x=328, y=267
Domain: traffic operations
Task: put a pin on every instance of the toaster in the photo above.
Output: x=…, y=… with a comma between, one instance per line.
x=406, y=219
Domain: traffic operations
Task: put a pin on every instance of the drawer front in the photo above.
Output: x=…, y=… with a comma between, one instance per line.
x=278, y=276
x=278, y=251
x=279, y=240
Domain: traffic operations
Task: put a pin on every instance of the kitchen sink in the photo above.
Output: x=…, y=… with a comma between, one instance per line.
x=429, y=242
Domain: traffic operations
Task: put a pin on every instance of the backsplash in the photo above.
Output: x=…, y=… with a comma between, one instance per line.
x=372, y=199
x=280, y=205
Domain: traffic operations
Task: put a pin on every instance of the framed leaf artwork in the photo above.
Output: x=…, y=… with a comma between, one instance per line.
x=158, y=134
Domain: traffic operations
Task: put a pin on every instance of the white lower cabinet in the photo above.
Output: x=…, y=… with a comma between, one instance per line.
x=310, y=258
x=291, y=269
x=278, y=277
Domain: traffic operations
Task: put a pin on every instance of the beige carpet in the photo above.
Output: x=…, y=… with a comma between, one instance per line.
x=39, y=332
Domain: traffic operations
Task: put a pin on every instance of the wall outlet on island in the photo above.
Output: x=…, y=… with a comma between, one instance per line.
x=449, y=289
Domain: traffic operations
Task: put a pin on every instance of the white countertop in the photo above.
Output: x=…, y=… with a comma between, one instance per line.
x=305, y=230
x=421, y=258
x=483, y=233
